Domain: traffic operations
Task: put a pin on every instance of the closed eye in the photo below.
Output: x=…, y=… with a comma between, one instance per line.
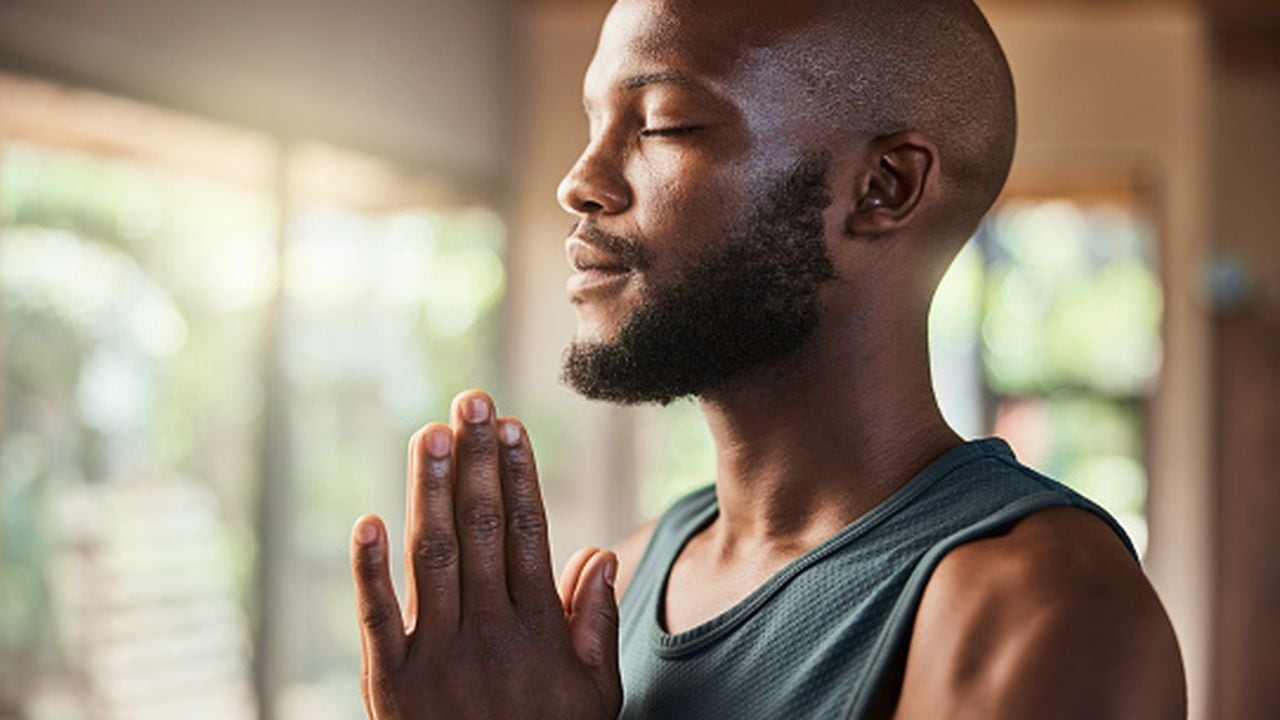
x=669, y=131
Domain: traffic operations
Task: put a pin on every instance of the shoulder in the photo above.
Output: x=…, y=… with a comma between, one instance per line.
x=630, y=550
x=1051, y=619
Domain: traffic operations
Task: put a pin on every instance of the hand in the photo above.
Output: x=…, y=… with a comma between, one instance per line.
x=485, y=634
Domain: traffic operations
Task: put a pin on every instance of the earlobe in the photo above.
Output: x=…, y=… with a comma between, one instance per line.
x=898, y=169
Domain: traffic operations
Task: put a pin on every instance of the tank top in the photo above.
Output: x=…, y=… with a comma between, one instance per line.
x=818, y=637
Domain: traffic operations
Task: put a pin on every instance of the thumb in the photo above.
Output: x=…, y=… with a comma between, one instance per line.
x=593, y=625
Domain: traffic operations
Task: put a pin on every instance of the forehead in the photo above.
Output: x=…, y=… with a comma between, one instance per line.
x=712, y=41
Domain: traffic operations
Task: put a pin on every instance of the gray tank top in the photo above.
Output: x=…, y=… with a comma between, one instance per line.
x=818, y=638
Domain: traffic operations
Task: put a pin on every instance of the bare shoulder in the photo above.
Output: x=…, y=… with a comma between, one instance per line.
x=1051, y=619
x=629, y=551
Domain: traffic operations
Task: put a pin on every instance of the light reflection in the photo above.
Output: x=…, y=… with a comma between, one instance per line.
x=114, y=393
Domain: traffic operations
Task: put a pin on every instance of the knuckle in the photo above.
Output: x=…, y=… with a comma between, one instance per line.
x=437, y=479
x=527, y=522
x=376, y=616
x=516, y=458
x=483, y=521
x=368, y=565
x=477, y=444
x=437, y=550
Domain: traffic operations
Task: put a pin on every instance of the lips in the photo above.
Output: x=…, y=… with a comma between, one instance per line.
x=597, y=272
x=584, y=257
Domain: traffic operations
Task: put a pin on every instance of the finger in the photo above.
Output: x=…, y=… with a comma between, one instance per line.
x=381, y=624
x=433, y=540
x=411, y=586
x=569, y=577
x=593, y=627
x=365, y=682
x=528, y=554
x=478, y=509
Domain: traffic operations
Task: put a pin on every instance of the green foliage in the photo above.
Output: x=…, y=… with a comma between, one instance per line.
x=136, y=314
x=1061, y=306
x=1070, y=300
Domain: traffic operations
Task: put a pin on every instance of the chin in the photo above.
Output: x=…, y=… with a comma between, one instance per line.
x=596, y=325
x=593, y=333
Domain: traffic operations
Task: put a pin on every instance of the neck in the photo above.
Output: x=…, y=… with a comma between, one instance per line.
x=807, y=445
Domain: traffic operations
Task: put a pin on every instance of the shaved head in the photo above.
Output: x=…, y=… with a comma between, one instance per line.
x=869, y=68
x=935, y=66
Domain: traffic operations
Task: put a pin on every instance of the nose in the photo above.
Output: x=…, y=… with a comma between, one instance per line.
x=594, y=185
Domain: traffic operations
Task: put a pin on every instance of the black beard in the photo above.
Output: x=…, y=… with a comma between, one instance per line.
x=752, y=303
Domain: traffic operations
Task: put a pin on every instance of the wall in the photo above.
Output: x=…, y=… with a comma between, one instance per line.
x=1246, y=226
x=420, y=82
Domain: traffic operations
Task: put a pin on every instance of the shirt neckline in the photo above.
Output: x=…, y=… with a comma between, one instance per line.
x=689, y=641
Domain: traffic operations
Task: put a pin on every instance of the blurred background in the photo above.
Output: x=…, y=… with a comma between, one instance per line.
x=247, y=248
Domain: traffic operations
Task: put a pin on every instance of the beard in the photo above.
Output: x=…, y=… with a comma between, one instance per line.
x=751, y=303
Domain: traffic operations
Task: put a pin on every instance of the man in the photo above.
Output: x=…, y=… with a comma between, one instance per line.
x=767, y=200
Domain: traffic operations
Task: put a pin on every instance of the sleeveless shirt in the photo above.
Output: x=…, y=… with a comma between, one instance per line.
x=819, y=636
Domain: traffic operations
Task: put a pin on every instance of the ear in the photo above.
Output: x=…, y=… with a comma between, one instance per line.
x=897, y=170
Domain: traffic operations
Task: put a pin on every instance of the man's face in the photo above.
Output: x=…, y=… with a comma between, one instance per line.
x=700, y=244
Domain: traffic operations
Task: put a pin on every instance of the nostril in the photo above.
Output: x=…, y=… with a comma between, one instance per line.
x=593, y=186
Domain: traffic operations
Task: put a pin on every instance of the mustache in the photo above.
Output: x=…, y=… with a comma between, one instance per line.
x=628, y=251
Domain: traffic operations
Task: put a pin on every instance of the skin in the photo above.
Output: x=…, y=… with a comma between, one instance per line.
x=485, y=634
x=1052, y=618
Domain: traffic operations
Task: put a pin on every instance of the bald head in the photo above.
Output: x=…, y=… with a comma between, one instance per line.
x=859, y=69
x=883, y=66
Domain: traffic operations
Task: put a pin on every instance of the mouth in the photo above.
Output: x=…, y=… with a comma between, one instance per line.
x=596, y=272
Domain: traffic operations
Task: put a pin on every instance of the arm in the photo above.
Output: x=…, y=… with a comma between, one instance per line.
x=1051, y=620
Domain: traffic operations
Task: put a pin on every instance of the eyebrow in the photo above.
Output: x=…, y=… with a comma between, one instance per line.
x=667, y=77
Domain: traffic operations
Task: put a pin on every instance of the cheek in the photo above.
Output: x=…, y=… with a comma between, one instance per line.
x=685, y=206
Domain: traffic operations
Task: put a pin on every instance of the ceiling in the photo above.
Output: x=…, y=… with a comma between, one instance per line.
x=419, y=81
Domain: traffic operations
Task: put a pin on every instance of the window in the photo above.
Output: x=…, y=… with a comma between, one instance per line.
x=215, y=348
x=1046, y=331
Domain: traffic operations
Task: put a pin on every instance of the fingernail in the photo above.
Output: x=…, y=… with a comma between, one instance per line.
x=510, y=433
x=611, y=572
x=367, y=534
x=438, y=442
x=476, y=410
